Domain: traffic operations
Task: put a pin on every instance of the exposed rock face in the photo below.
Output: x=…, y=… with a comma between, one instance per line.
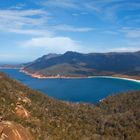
x=13, y=131
x=21, y=111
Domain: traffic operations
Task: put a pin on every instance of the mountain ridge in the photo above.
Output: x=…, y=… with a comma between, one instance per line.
x=74, y=64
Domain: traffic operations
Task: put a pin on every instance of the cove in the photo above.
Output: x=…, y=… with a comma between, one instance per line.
x=89, y=90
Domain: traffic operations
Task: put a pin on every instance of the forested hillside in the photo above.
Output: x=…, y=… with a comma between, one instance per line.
x=115, y=118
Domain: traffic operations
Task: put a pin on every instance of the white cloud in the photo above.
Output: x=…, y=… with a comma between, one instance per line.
x=72, y=28
x=79, y=14
x=54, y=44
x=22, y=21
x=107, y=9
x=61, y=3
x=22, y=17
x=131, y=32
x=32, y=22
x=104, y=9
x=33, y=32
x=109, y=32
x=125, y=49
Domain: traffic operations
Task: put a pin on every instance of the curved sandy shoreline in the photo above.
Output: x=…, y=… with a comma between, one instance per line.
x=115, y=77
x=38, y=76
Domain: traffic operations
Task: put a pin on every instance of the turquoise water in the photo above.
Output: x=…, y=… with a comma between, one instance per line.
x=76, y=90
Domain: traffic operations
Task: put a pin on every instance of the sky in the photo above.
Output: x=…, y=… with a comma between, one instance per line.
x=32, y=28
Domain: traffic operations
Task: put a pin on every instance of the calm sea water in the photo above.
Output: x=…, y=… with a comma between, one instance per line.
x=76, y=90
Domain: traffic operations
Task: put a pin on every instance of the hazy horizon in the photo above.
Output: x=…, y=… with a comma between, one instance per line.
x=27, y=61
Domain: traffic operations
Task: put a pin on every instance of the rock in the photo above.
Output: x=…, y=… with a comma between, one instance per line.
x=13, y=131
x=22, y=112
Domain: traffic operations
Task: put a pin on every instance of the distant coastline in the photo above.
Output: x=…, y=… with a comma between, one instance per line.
x=8, y=67
x=39, y=76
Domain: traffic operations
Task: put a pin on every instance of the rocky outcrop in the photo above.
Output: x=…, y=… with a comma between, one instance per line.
x=13, y=131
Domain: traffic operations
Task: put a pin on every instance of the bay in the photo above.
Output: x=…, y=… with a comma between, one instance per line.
x=90, y=90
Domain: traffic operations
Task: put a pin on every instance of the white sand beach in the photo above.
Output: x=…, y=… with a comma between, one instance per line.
x=129, y=79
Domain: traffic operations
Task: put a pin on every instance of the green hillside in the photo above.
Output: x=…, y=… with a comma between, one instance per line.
x=115, y=118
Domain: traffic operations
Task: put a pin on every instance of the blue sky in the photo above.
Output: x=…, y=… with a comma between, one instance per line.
x=32, y=28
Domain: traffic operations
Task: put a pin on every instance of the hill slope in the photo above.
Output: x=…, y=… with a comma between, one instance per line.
x=73, y=64
x=115, y=118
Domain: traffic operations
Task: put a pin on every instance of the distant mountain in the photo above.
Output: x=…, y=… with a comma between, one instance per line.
x=25, y=113
x=78, y=64
x=40, y=61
